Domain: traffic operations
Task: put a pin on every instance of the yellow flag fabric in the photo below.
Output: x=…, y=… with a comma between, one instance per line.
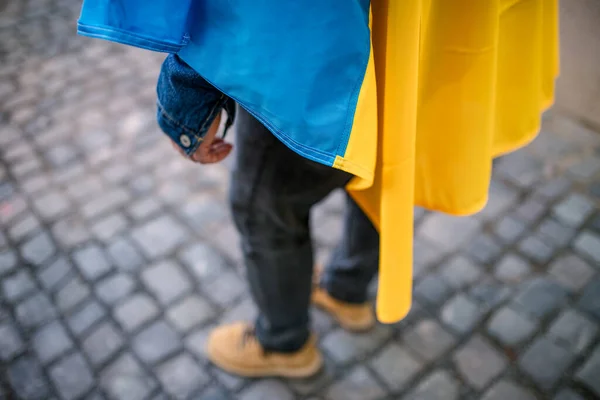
x=455, y=83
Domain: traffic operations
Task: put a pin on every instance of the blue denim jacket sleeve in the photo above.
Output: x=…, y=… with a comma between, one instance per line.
x=187, y=104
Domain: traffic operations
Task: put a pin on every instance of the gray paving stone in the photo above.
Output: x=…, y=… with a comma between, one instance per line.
x=51, y=205
x=571, y=272
x=13, y=207
x=573, y=210
x=72, y=377
x=51, y=341
x=72, y=294
x=27, y=380
x=125, y=379
x=109, y=226
x=10, y=342
x=204, y=261
x=500, y=199
x=358, y=384
x=166, y=280
x=585, y=169
x=103, y=343
x=17, y=286
x=590, y=299
x=204, y=213
x=156, y=342
x=35, y=310
x=267, y=389
x=425, y=254
x=478, y=362
x=448, y=232
x=461, y=314
x=396, y=366
x=70, y=231
x=181, y=376
x=144, y=208
x=159, y=236
x=55, y=273
x=490, y=294
x=196, y=342
x=509, y=229
x=428, y=339
x=438, y=385
x=573, y=331
x=510, y=327
x=85, y=317
x=484, y=248
x=460, y=272
x=589, y=372
x=226, y=288
x=530, y=210
x=38, y=249
x=567, y=394
x=344, y=346
x=555, y=232
x=504, y=390
x=535, y=248
x=432, y=289
x=545, y=362
x=106, y=202
x=8, y=260
x=212, y=394
x=540, y=297
x=91, y=261
x=512, y=268
x=588, y=245
x=189, y=312
x=124, y=255
x=136, y=311
x=520, y=169
x=24, y=227
x=114, y=287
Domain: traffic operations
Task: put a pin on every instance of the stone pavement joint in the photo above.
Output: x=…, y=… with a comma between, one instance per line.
x=117, y=256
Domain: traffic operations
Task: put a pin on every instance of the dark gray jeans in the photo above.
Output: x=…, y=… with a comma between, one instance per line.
x=273, y=190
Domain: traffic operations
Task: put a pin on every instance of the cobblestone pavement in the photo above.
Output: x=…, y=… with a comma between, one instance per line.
x=117, y=256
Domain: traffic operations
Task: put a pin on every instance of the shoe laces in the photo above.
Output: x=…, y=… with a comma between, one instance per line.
x=249, y=338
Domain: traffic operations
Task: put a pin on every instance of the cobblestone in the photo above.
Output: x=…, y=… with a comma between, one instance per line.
x=396, y=366
x=10, y=342
x=51, y=341
x=508, y=390
x=117, y=257
x=72, y=376
x=545, y=362
x=126, y=379
x=429, y=340
x=156, y=342
x=358, y=384
x=27, y=379
x=588, y=373
x=101, y=344
x=510, y=327
x=478, y=362
x=439, y=385
x=181, y=377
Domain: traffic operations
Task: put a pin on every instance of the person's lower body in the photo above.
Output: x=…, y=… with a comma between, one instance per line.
x=273, y=191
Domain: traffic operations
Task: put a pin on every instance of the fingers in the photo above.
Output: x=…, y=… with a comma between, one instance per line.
x=212, y=149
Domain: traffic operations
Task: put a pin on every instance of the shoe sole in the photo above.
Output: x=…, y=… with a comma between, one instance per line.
x=281, y=372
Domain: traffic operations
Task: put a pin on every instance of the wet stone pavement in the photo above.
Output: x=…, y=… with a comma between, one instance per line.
x=117, y=256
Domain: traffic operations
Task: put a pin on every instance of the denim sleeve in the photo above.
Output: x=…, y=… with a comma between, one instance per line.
x=187, y=104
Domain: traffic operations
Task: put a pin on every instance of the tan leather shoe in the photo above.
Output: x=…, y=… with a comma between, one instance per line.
x=352, y=317
x=235, y=349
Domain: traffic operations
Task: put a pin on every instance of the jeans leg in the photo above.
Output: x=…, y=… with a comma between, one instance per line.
x=355, y=260
x=273, y=190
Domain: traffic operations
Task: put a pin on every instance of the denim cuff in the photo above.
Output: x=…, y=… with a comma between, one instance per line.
x=187, y=105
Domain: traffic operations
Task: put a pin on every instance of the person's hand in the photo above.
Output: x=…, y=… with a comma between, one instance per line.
x=212, y=149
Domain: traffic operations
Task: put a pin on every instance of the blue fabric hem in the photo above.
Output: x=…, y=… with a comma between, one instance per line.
x=115, y=35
